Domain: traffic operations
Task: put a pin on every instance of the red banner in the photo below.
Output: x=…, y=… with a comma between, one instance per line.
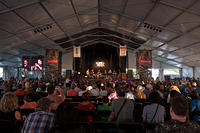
x=52, y=62
x=145, y=57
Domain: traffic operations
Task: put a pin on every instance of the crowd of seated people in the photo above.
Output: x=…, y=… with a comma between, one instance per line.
x=58, y=107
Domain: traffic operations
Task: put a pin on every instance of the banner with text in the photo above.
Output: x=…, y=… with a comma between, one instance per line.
x=122, y=51
x=77, y=51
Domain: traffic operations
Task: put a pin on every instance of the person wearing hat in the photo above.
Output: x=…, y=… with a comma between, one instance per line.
x=139, y=92
x=41, y=120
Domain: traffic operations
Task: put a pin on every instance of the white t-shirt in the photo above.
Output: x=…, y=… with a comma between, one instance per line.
x=80, y=93
x=95, y=92
x=103, y=93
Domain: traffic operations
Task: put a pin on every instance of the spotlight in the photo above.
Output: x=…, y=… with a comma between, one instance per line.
x=145, y=25
x=44, y=28
x=47, y=27
x=151, y=27
x=35, y=31
x=148, y=27
x=50, y=26
x=38, y=30
x=160, y=30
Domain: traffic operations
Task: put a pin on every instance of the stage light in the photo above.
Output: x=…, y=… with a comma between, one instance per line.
x=38, y=30
x=151, y=27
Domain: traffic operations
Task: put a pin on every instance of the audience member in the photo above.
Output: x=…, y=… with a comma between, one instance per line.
x=131, y=93
x=154, y=113
x=139, y=92
x=9, y=108
x=86, y=105
x=28, y=103
x=53, y=96
x=40, y=121
x=179, y=123
x=20, y=91
x=122, y=109
x=67, y=120
x=72, y=92
x=103, y=91
x=195, y=106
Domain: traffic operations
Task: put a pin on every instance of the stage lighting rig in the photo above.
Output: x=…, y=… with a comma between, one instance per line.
x=152, y=27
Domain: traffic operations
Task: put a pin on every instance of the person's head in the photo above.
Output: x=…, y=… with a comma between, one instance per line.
x=50, y=89
x=194, y=84
x=139, y=88
x=25, y=62
x=174, y=94
x=120, y=90
x=85, y=96
x=83, y=88
x=44, y=104
x=173, y=87
x=178, y=107
x=194, y=95
x=105, y=100
x=66, y=117
x=27, y=98
x=39, y=61
x=9, y=102
x=149, y=87
x=154, y=97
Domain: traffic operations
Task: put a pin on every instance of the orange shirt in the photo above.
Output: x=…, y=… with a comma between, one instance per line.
x=20, y=92
x=30, y=105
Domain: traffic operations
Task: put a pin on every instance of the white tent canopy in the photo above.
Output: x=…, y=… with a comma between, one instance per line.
x=170, y=28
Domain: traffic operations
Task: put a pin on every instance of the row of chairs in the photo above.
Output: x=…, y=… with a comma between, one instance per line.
x=113, y=127
x=94, y=127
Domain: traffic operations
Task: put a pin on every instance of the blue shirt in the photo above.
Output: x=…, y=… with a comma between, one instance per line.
x=195, y=106
x=38, y=122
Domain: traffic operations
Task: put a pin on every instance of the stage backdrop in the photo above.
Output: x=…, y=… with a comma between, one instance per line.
x=99, y=53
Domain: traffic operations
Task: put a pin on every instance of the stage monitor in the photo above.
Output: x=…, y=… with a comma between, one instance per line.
x=33, y=63
x=100, y=64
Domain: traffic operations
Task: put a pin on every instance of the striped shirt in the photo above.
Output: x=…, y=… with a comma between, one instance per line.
x=38, y=122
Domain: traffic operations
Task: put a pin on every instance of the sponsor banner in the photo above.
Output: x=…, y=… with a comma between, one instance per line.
x=145, y=57
x=122, y=51
x=52, y=62
x=52, y=56
x=77, y=51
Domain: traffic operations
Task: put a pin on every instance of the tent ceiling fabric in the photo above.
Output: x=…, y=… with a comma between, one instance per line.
x=114, y=22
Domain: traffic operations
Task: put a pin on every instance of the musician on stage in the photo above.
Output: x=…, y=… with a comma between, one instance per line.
x=110, y=72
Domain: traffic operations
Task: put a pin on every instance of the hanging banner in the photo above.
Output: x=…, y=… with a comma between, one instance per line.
x=145, y=57
x=122, y=50
x=144, y=63
x=77, y=51
x=52, y=59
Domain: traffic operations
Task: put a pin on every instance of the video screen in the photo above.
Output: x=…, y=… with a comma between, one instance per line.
x=100, y=64
x=33, y=63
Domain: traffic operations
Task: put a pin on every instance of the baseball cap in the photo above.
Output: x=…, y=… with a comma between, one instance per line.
x=44, y=102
